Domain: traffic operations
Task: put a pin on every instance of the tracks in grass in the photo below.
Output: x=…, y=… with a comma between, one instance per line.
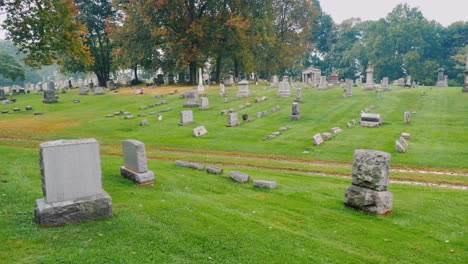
x=413, y=176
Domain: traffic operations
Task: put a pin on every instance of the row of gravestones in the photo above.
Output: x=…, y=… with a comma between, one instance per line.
x=72, y=187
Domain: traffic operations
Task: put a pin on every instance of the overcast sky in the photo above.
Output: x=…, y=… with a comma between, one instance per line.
x=443, y=11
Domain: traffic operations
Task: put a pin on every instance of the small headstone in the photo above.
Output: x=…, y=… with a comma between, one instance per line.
x=4, y=111
x=71, y=183
x=370, y=120
x=368, y=191
x=399, y=147
x=296, y=112
x=317, y=139
x=141, y=115
x=326, y=136
x=135, y=168
x=128, y=117
x=243, y=89
x=142, y=107
x=109, y=115
x=222, y=90
x=191, y=99
x=336, y=130
x=283, y=90
x=403, y=142
x=37, y=113
x=98, y=91
x=407, y=116
x=204, y=103
x=199, y=131
x=232, y=120
x=28, y=108
x=16, y=109
x=83, y=90
x=143, y=122
x=49, y=97
x=239, y=176
x=265, y=184
x=186, y=118
x=75, y=101
x=298, y=95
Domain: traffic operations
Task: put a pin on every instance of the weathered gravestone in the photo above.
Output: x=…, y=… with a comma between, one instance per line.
x=222, y=90
x=407, y=116
x=385, y=86
x=371, y=120
x=186, y=118
x=369, y=79
x=283, y=90
x=71, y=183
x=110, y=85
x=83, y=90
x=317, y=139
x=98, y=91
x=199, y=131
x=136, y=168
x=2, y=94
x=265, y=184
x=298, y=95
x=274, y=81
x=323, y=83
x=243, y=89
x=368, y=191
x=349, y=91
x=204, y=103
x=49, y=97
x=200, y=88
x=296, y=111
x=50, y=86
x=191, y=99
x=441, y=78
x=232, y=120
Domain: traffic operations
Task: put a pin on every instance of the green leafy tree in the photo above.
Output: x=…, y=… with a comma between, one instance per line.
x=10, y=68
x=45, y=30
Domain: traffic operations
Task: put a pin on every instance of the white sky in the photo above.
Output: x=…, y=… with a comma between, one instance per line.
x=443, y=11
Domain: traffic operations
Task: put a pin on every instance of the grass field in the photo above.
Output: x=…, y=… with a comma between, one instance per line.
x=193, y=217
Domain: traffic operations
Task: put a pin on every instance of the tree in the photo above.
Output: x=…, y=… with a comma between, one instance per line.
x=10, y=68
x=94, y=14
x=131, y=35
x=45, y=30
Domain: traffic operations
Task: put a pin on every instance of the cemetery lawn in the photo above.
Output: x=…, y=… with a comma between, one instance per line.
x=190, y=216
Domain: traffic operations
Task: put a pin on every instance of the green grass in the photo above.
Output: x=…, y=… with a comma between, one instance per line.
x=190, y=216
x=438, y=129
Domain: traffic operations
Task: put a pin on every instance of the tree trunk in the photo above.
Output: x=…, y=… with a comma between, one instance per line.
x=101, y=79
x=135, y=70
x=236, y=67
x=193, y=73
x=219, y=66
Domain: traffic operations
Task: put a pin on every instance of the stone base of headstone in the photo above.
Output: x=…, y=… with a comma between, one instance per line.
x=386, y=89
x=233, y=124
x=441, y=84
x=295, y=117
x=243, y=94
x=141, y=178
x=369, y=87
x=186, y=123
x=191, y=105
x=367, y=200
x=283, y=94
x=69, y=212
x=50, y=101
x=465, y=89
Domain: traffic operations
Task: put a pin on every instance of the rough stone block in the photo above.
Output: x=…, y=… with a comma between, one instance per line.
x=239, y=176
x=367, y=200
x=265, y=184
x=214, y=170
x=190, y=165
x=326, y=136
x=399, y=147
x=94, y=207
x=199, y=131
x=371, y=169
